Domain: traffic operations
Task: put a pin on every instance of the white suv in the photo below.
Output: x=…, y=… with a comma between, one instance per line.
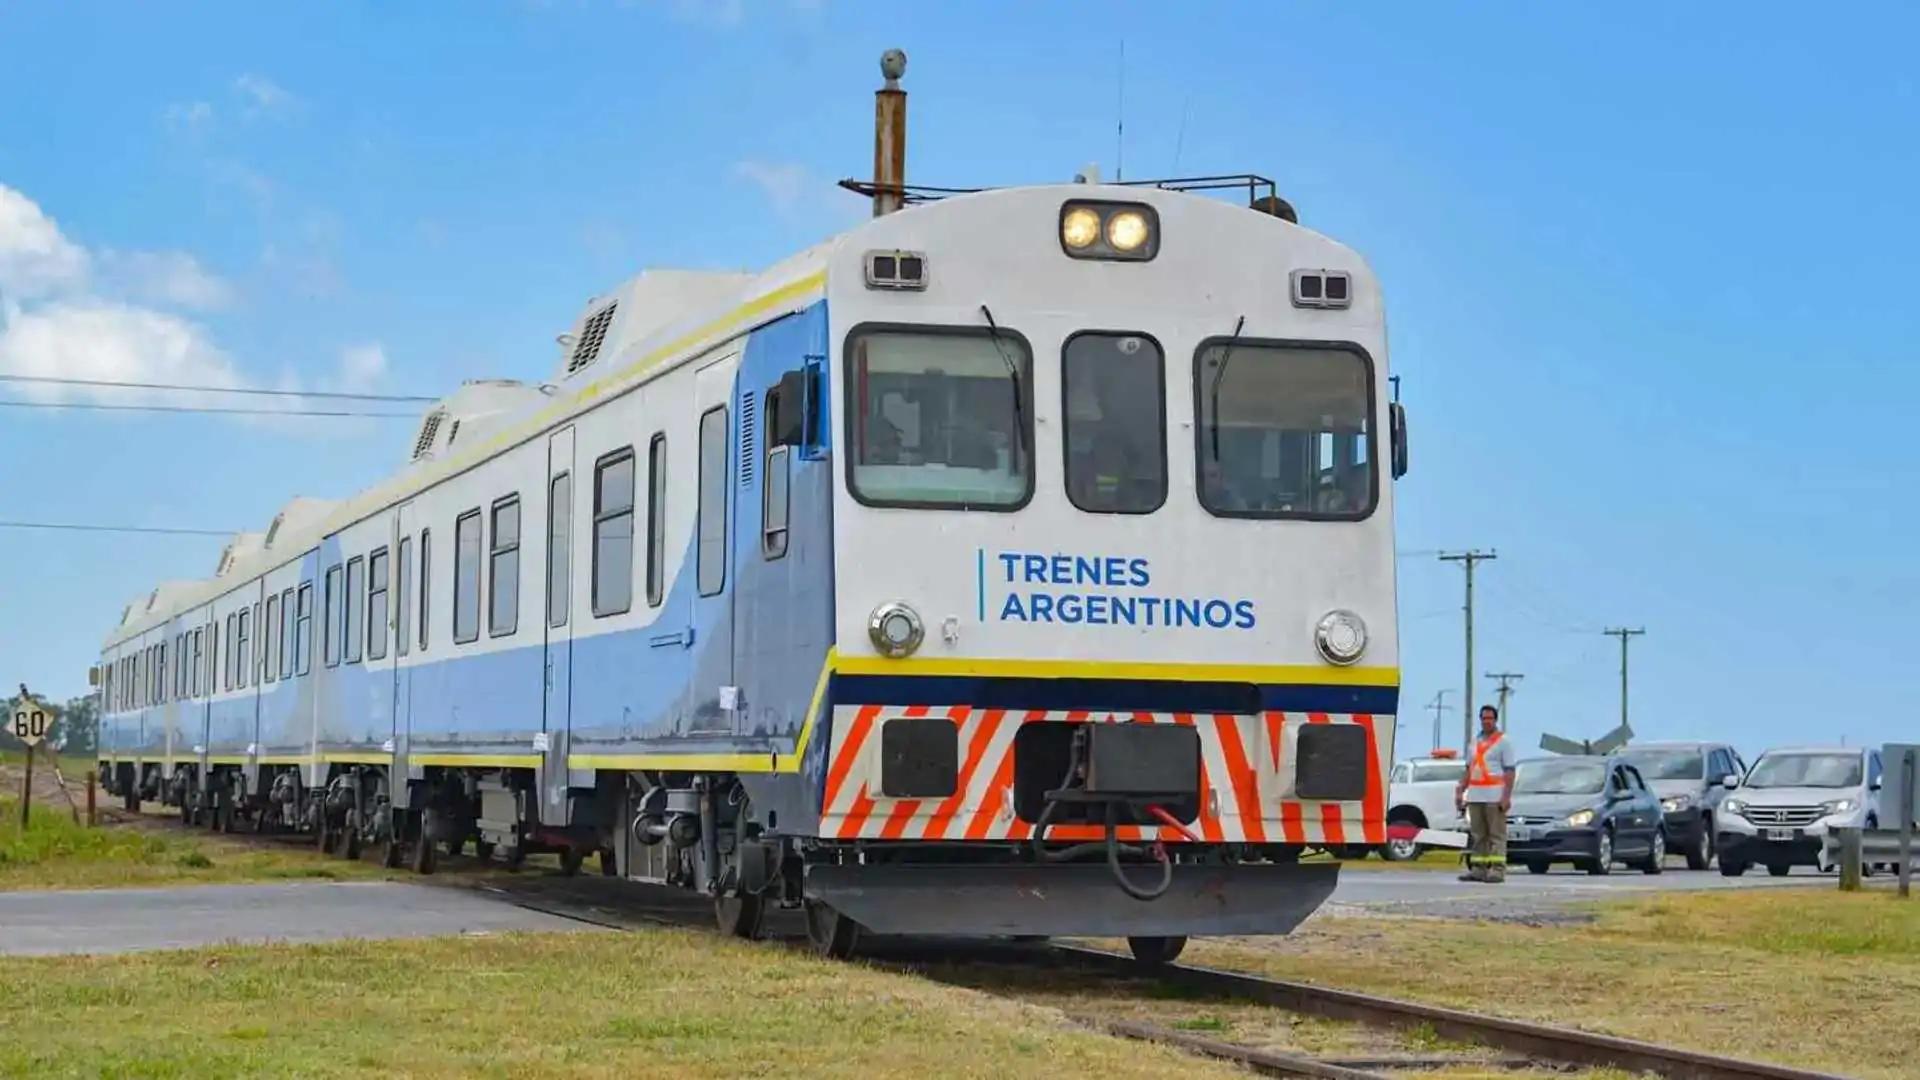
x=1779, y=816
x=1420, y=793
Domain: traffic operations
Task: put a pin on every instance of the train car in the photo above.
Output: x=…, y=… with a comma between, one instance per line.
x=1020, y=562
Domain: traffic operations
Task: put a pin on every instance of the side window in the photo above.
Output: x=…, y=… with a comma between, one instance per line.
x=228, y=661
x=466, y=577
x=303, y=631
x=1399, y=774
x=1114, y=391
x=213, y=656
x=268, y=632
x=613, y=533
x=377, y=628
x=196, y=679
x=775, y=490
x=503, y=568
x=559, y=548
x=287, y=628
x=242, y=649
x=711, y=556
x=426, y=580
x=403, y=592
x=1873, y=768
x=330, y=624
x=356, y=610
x=656, y=519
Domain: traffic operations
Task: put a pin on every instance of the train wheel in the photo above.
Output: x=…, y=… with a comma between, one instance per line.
x=423, y=849
x=1156, y=951
x=832, y=934
x=346, y=843
x=741, y=916
x=393, y=851
x=322, y=832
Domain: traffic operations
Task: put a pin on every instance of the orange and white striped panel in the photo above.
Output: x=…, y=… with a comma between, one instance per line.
x=1246, y=764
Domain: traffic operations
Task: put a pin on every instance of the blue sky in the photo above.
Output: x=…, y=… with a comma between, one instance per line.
x=1649, y=275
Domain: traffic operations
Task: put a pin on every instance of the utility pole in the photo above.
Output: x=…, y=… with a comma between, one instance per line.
x=1436, y=707
x=1506, y=679
x=1467, y=559
x=1625, y=634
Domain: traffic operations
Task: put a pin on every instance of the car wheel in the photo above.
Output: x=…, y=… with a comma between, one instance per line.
x=1779, y=869
x=1538, y=867
x=1401, y=851
x=1731, y=869
x=1603, y=860
x=1657, y=858
x=1700, y=852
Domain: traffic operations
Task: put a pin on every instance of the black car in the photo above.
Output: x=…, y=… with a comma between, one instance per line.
x=1589, y=811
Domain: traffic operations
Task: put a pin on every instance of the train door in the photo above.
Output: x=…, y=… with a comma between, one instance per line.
x=403, y=576
x=384, y=730
x=714, y=697
x=557, y=613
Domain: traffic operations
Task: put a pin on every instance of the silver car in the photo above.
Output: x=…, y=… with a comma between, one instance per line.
x=1779, y=816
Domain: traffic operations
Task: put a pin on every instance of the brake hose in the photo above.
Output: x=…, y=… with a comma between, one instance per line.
x=1110, y=843
x=1159, y=851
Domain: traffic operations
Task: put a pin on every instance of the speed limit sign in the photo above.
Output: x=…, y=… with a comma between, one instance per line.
x=29, y=723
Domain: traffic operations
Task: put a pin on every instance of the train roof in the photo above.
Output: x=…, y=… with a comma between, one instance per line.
x=653, y=322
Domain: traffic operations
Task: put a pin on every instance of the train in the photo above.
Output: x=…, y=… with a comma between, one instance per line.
x=1017, y=562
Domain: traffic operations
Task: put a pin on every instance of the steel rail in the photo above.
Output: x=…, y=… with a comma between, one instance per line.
x=1541, y=1041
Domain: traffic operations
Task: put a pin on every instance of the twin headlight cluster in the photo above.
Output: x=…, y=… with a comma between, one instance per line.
x=1120, y=232
x=896, y=631
x=1827, y=809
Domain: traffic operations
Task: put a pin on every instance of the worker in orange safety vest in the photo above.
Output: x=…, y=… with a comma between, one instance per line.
x=1485, y=794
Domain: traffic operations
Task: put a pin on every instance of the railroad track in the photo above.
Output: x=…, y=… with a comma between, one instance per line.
x=615, y=906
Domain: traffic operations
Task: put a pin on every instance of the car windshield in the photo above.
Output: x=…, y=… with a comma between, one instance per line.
x=1558, y=777
x=1806, y=770
x=1666, y=764
x=1450, y=771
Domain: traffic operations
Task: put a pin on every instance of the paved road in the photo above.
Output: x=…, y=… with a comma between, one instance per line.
x=129, y=920
x=1528, y=896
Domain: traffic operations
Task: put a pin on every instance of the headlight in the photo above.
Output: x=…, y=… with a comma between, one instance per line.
x=1838, y=806
x=1079, y=228
x=1580, y=819
x=1341, y=636
x=895, y=629
x=1734, y=806
x=1113, y=231
x=1673, y=804
x=1127, y=231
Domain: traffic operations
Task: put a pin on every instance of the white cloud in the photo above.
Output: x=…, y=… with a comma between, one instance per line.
x=166, y=277
x=107, y=341
x=190, y=117
x=783, y=183
x=35, y=259
x=362, y=369
x=261, y=96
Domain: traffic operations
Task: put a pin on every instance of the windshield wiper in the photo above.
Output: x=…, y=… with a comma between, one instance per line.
x=1219, y=375
x=1013, y=376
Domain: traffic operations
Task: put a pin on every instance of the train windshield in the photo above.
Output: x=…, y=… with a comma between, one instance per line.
x=940, y=418
x=1285, y=431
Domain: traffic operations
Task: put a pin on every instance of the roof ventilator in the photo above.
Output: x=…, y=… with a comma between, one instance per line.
x=592, y=336
x=428, y=429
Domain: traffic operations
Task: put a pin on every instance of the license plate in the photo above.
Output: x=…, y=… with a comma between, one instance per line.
x=1783, y=834
x=1521, y=832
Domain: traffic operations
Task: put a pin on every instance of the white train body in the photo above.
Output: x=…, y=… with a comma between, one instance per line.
x=858, y=585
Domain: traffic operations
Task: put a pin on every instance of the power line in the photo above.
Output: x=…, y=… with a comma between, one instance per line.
x=70, y=526
x=119, y=385
x=204, y=410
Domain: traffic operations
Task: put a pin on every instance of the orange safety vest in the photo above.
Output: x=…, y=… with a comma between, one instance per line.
x=1477, y=773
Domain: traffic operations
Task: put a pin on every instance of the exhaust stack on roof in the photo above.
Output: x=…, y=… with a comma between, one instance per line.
x=890, y=136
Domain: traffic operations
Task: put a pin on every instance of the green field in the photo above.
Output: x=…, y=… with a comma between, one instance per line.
x=1799, y=976
x=662, y=1003
x=55, y=853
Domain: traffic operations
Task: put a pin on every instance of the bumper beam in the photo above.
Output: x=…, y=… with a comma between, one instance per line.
x=1073, y=899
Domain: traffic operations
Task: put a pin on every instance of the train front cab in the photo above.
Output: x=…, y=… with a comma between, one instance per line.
x=1113, y=579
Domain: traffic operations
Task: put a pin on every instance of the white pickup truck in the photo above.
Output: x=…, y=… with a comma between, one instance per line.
x=1420, y=794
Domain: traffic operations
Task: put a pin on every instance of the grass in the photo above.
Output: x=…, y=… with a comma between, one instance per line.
x=55, y=853
x=1787, y=975
x=663, y=1003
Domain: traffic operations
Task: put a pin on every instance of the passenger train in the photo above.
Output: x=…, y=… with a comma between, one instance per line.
x=1020, y=562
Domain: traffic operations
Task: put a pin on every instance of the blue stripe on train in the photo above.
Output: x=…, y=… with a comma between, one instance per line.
x=1147, y=695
